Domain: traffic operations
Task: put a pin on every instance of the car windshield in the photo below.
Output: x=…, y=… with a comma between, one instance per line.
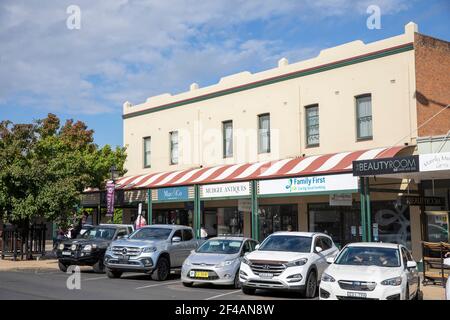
x=369, y=256
x=99, y=233
x=287, y=243
x=151, y=234
x=220, y=246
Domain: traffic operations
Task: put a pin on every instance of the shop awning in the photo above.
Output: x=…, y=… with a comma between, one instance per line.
x=300, y=166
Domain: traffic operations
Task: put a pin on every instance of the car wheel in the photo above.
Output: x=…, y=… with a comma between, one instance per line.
x=113, y=274
x=99, y=267
x=188, y=284
x=237, y=283
x=249, y=291
x=62, y=266
x=162, y=270
x=311, y=285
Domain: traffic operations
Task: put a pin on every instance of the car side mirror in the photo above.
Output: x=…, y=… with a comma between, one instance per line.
x=331, y=260
x=123, y=237
x=447, y=262
x=318, y=249
x=176, y=239
x=257, y=247
x=411, y=265
x=193, y=251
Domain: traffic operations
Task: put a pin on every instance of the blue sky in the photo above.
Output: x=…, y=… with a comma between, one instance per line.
x=134, y=49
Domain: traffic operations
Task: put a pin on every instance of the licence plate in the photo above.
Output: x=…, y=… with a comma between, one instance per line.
x=266, y=275
x=357, y=294
x=124, y=259
x=66, y=253
x=201, y=274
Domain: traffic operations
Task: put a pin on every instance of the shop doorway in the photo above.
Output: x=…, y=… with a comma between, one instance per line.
x=218, y=221
x=273, y=218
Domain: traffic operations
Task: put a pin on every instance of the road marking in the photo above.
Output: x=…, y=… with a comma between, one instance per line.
x=157, y=285
x=97, y=278
x=221, y=295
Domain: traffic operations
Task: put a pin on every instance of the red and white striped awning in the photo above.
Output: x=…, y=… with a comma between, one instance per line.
x=301, y=166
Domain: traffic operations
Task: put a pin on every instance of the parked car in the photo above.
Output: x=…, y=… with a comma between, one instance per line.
x=447, y=287
x=154, y=249
x=371, y=271
x=287, y=261
x=90, y=248
x=217, y=261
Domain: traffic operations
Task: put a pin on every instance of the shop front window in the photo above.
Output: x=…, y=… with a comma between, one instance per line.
x=180, y=216
x=220, y=221
x=275, y=218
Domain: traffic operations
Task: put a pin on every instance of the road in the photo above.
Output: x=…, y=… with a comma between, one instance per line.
x=52, y=284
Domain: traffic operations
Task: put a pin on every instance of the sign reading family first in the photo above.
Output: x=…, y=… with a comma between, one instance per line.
x=326, y=183
x=235, y=189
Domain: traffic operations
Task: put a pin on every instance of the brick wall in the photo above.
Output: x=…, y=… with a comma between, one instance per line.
x=432, y=84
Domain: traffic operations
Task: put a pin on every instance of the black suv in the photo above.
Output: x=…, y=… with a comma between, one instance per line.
x=89, y=249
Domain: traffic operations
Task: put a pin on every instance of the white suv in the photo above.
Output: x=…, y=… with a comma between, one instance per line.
x=287, y=261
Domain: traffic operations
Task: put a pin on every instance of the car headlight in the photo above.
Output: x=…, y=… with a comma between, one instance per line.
x=246, y=261
x=327, y=278
x=61, y=246
x=87, y=247
x=392, y=281
x=224, y=263
x=73, y=247
x=148, y=249
x=297, y=263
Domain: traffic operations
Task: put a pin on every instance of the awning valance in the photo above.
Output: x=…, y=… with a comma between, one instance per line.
x=300, y=166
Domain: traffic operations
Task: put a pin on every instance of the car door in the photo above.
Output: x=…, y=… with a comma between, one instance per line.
x=412, y=273
x=320, y=257
x=176, y=249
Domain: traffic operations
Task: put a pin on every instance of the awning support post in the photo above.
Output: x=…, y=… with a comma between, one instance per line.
x=362, y=191
x=368, y=211
x=254, y=217
x=149, y=207
x=197, y=211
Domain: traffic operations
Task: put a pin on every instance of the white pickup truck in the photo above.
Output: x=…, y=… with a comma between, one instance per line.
x=154, y=249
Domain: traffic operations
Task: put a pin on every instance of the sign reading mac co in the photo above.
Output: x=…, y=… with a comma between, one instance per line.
x=386, y=166
x=175, y=193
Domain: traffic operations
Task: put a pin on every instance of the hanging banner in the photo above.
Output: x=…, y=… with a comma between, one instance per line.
x=110, y=186
x=344, y=199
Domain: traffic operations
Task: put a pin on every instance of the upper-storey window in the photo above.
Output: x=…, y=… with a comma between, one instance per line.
x=264, y=133
x=227, y=132
x=174, y=147
x=364, y=117
x=147, y=151
x=312, y=125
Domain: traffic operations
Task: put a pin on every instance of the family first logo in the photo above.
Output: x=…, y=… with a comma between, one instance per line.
x=296, y=184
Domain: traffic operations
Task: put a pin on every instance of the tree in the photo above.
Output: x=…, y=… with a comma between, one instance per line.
x=44, y=168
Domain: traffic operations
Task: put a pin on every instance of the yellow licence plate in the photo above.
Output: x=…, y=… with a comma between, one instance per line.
x=201, y=274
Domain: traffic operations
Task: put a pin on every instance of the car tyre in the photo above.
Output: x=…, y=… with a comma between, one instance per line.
x=62, y=266
x=311, y=285
x=113, y=274
x=249, y=291
x=237, y=283
x=162, y=270
x=188, y=284
x=99, y=267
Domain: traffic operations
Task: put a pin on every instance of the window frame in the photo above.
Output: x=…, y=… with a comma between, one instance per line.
x=224, y=139
x=307, y=108
x=145, y=151
x=260, y=151
x=171, y=147
x=357, y=118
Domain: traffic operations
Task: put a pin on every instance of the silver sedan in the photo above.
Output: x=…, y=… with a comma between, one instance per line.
x=217, y=261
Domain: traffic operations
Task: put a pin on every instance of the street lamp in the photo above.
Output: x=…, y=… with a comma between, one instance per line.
x=114, y=173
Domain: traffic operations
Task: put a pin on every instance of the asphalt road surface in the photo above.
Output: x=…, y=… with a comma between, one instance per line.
x=52, y=284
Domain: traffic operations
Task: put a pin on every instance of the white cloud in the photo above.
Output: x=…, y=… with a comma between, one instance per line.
x=131, y=49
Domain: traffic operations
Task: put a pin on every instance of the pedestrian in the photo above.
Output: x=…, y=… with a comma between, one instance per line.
x=203, y=232
x=289, y=228
x=140, y=221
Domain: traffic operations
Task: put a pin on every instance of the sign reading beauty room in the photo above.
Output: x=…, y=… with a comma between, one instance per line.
x=235, y=189
x=175, y=193
x=435, y=161
x=336, y=182
x=374, y=167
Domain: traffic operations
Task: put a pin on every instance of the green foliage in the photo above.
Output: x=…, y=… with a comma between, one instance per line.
x=44, y=167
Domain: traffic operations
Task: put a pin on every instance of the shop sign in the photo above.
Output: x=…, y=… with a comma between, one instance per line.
x=133, y=196
x=344, y=199
x=245, y=205
x=235, y=189
x=175, y=193
x=386, y=166
x=326, y=183
x=435, y=161
x=426, y=201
